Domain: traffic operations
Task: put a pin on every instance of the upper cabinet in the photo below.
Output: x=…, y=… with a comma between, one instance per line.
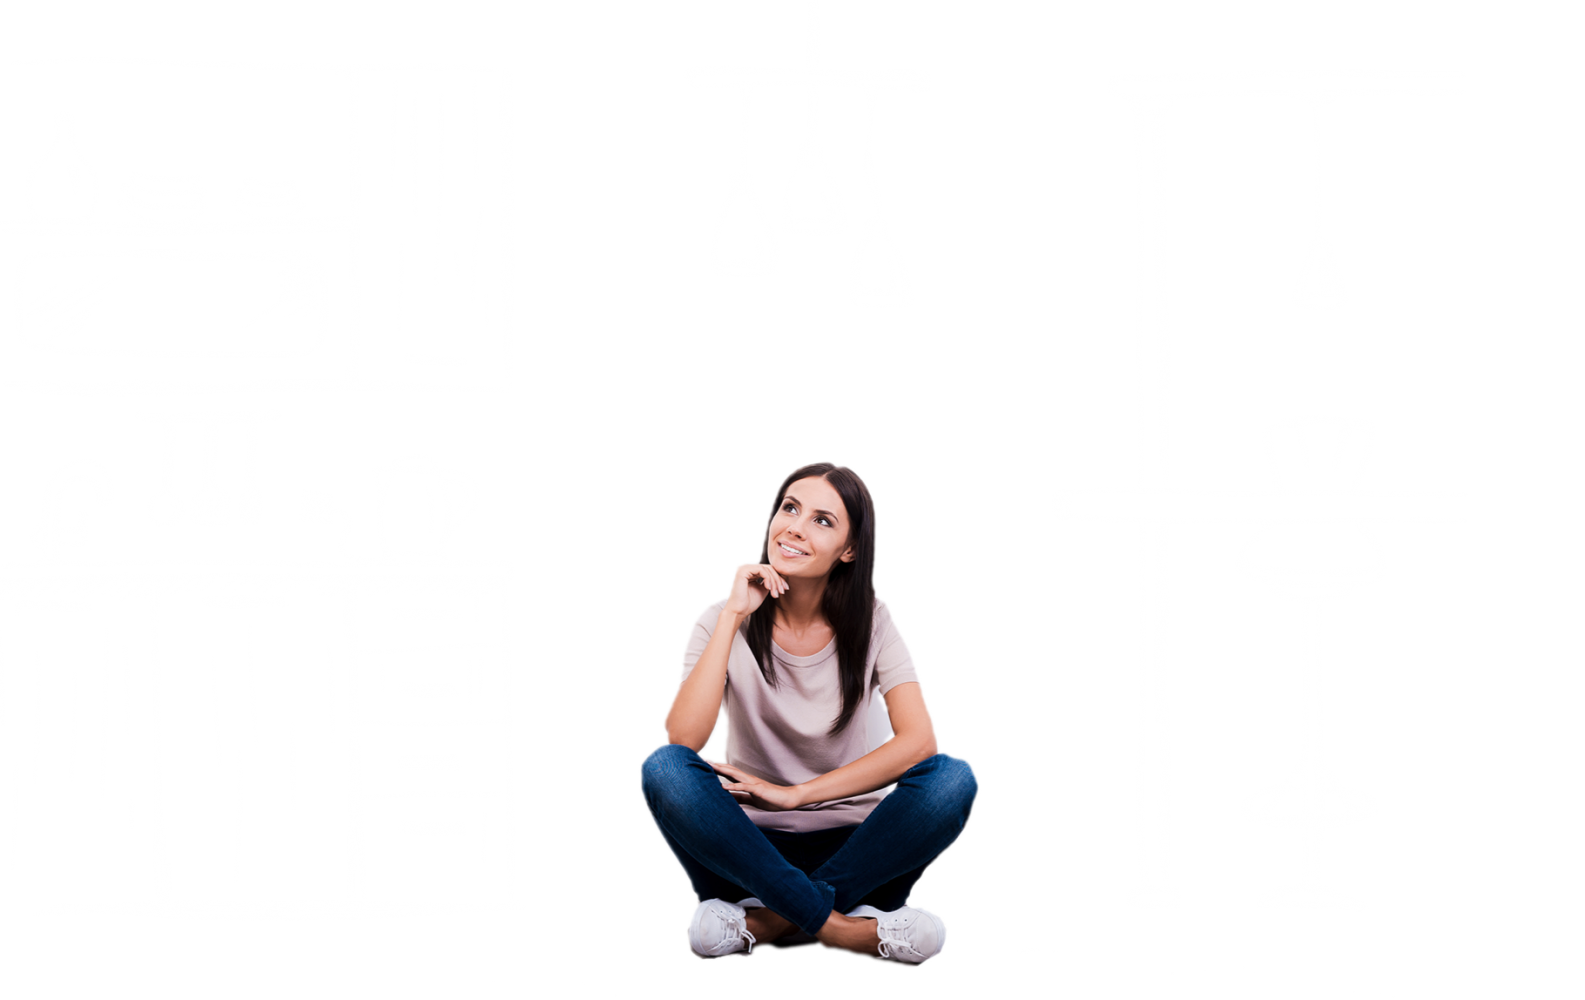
x=181, y=227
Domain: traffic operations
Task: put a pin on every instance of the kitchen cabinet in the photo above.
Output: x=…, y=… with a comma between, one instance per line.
x=301, y=739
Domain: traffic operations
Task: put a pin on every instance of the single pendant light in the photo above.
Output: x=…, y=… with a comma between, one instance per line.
x=820, y=209
x=878, y=276
x=752, y=241
x=1319, y=282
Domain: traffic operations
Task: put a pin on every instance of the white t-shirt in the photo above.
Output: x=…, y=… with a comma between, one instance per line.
x=779, y=734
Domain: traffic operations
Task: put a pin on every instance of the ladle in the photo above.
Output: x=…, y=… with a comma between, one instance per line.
x=178, y=506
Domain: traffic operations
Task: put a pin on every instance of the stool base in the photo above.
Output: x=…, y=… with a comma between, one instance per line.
x=1321, y=897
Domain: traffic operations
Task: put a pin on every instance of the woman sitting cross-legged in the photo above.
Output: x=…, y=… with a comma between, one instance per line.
x=792, y=837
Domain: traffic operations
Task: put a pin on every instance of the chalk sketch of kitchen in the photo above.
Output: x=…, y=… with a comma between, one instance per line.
x=271, y=739
x=411, y=289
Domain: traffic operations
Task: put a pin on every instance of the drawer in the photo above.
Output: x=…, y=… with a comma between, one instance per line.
x=393, y=620
x=433, y=758
x=433, y=685
x=447, y=850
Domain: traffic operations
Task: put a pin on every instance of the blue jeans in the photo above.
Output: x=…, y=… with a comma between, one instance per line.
x=804, y=876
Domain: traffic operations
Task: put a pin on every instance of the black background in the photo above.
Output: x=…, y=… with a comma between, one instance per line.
x=658, y=406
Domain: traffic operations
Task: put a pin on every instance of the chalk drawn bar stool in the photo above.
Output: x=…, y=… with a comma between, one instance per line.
x=1311, y=564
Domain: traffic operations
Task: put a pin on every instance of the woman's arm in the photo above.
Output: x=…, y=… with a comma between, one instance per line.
x=698, y=702
x=913, y=740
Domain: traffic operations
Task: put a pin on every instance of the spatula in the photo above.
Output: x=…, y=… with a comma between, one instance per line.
x=211, y=506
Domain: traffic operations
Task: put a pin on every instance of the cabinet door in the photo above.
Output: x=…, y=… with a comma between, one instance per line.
x=255, y=748
x=78, y=751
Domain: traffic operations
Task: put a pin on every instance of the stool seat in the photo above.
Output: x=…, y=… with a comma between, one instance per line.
x=1357, y=805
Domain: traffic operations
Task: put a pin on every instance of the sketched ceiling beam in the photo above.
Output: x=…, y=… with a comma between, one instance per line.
x=706, y=78
x=1286, y=83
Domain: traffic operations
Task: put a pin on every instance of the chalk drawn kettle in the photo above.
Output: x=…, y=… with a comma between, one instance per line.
x=419, y=507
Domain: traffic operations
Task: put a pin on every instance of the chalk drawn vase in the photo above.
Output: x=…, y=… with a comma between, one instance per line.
x=62, y=184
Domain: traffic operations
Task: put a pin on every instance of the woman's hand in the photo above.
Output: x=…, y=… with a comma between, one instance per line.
x=752, y=584
x=756, y=792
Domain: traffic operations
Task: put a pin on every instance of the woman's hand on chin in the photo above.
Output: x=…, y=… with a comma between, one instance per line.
x=751, y=585
x=756, y=792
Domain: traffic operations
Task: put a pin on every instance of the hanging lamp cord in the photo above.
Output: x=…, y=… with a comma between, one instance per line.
x=870, y=181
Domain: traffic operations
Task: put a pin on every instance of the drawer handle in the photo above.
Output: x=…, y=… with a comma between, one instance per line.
x=428, y=761
x=427, y=614
x=414, y=828
x=411, y=688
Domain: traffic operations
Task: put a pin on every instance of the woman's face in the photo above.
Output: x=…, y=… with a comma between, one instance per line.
x=809, y=533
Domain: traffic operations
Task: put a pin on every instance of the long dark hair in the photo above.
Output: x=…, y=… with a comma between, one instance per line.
x=849, y=601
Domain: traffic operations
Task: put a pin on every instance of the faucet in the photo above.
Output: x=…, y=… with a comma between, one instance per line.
x=49, y=534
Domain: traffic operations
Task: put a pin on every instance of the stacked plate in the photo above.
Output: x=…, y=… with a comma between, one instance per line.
x=164, y=198
x=268, y=198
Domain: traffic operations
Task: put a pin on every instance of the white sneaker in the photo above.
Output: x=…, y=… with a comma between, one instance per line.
x=719, y=928
x=907, y=935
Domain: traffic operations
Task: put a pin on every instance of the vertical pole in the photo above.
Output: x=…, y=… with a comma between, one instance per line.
x=1153, y=389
